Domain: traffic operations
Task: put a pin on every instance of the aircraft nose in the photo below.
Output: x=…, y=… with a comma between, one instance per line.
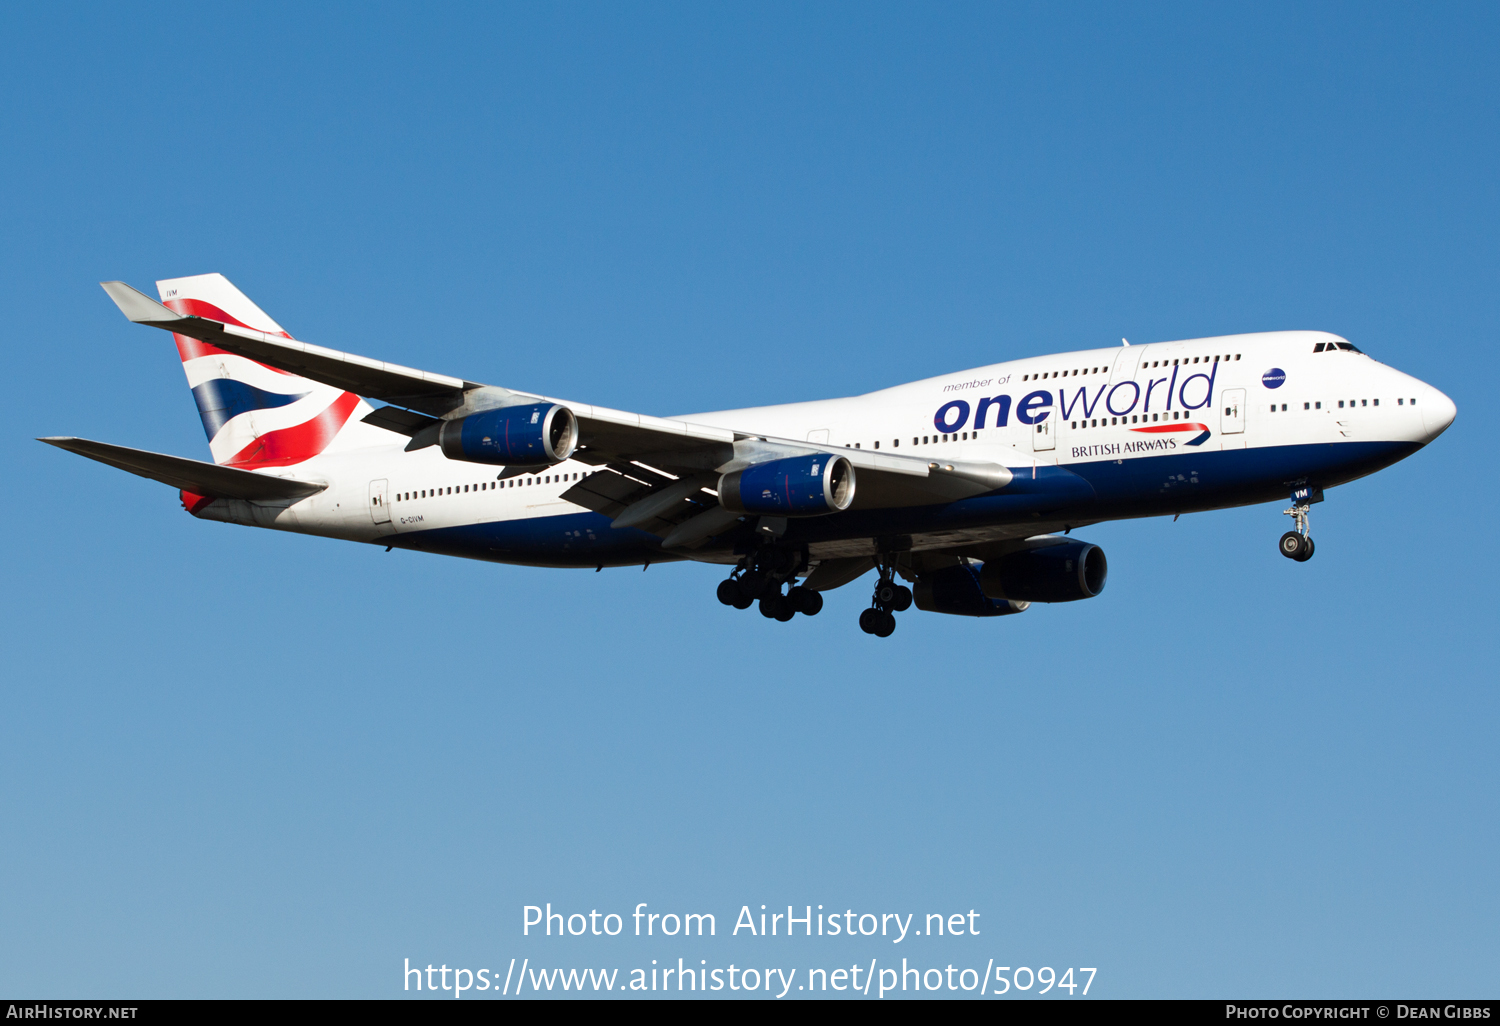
x=1437, y=413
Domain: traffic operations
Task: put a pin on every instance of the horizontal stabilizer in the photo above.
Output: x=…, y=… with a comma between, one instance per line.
x=190, y=475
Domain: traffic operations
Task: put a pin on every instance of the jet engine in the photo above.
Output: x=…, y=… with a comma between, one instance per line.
x=798, y=486
x=1062, y=571
x=955, y=590
x=536, y=435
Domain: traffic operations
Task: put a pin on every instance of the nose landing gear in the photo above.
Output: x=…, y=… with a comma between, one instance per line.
x=1297, y=544
x=889, y=598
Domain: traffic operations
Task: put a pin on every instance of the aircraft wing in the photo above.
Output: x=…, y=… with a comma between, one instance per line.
x=190, y=475
x=420, y=390
x=614, y=432
x=633, y=446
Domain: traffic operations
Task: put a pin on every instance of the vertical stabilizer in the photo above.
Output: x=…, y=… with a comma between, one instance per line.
x=254, y=415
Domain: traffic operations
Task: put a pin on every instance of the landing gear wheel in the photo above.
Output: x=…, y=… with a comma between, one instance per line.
x=729, y=591
x=753, y=586
x=868, y=620
x=774, y=605
x=885, y=592
x=902, y=602
x=805, y=601
x=1298, y=544
x=885, y=625
x=743, y=601
x=1292, y=544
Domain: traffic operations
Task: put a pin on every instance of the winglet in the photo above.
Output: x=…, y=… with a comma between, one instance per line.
x=138, y=306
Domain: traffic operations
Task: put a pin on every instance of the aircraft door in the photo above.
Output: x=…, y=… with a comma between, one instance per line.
x=1126, y=362
x=1232, y=411
x=380, y=510
x=1043, y=433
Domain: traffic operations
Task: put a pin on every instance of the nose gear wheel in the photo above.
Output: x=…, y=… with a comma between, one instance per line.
x=1297, y=544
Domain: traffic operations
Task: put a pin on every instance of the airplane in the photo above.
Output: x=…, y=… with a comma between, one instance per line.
x=968, y=486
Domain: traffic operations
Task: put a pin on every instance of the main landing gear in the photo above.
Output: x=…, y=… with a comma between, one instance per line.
x=762, y=577
x=889, y=598
x=1297, y=544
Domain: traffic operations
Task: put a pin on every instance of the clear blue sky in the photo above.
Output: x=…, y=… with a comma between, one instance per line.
x=241, y=763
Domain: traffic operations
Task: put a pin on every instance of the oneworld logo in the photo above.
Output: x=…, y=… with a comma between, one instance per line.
x=1170, y=392
x=1273, y=378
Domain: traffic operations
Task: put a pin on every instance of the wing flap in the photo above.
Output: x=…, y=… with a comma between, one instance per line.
x=405, y=422
x=634, y=496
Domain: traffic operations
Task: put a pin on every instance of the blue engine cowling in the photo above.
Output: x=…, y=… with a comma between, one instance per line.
x=955, y=590
x=799, y=486
x=537, y=435
x=1065, y=571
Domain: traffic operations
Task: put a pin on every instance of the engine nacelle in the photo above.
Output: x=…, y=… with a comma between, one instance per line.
x=1062, y=572
x=537, y=435
x=798, y=486
x=955, y=590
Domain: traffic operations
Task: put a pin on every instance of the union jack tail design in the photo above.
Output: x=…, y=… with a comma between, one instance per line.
x=254, y=415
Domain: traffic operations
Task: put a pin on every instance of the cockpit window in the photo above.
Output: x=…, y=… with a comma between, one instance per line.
x=1349, y=346
x=1333, y=347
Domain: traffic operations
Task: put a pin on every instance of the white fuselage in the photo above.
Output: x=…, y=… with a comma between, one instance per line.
x=1137, y=407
